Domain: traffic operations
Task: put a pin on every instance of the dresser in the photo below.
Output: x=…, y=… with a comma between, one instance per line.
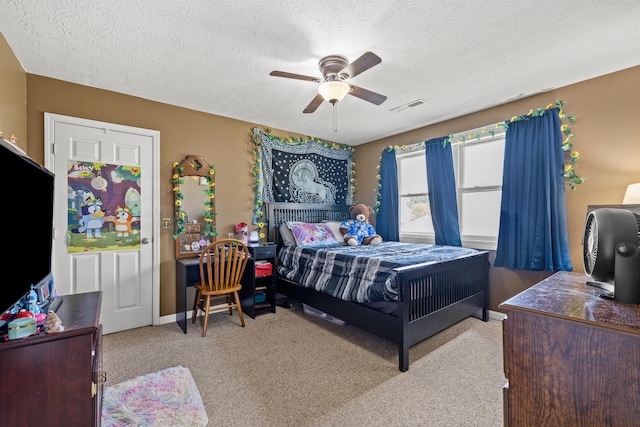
x=571, y=357
x=56, y=379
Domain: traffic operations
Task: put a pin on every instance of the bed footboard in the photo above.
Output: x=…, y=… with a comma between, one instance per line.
x=433, y=296
x=440, y=295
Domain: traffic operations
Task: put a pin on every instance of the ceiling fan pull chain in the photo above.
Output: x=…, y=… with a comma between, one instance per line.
x=335, y=118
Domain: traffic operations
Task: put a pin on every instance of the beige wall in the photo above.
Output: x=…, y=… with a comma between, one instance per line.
x=607, y=135
x=225, y=143
x=13, y=96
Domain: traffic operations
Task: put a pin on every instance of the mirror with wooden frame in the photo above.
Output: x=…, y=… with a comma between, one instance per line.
x=194, y=203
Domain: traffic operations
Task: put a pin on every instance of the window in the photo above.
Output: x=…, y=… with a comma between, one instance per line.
x=478, y=170
x=415, y=212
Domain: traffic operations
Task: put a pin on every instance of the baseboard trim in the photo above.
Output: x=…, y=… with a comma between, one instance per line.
x=496, y=315
x=170, y=318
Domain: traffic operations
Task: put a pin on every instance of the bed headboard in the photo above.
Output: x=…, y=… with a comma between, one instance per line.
x=281, y=212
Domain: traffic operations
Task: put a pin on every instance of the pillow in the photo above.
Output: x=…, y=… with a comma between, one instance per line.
x=286, y=236
x=335, y=229
x=312, y=235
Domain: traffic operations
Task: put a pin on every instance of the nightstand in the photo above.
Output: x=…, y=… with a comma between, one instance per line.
x=258, y=293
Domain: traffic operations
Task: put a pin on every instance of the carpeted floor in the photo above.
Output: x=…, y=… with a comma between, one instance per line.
x=292, y=369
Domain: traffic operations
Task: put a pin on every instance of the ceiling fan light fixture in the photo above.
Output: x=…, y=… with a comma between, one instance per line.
x=334, y=91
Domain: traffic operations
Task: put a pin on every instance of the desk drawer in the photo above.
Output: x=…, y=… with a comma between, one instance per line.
x=262, y=252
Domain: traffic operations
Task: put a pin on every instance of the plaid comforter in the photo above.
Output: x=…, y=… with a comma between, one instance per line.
x=359, y=273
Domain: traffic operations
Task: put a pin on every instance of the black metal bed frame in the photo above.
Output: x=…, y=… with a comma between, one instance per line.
x=433, y=296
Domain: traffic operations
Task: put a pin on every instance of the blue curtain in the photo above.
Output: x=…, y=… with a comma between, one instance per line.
x=442, y=192
x=533, y=215
x=387, y=223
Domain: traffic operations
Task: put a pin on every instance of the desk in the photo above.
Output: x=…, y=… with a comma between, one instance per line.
x=187, y=275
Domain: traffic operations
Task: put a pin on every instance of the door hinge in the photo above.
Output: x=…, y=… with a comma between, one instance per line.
x=94, y=389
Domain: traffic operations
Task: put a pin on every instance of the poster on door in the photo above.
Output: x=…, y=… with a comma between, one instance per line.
x=103, y=207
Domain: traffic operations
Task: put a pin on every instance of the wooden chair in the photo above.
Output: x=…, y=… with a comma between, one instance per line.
x=221, y=266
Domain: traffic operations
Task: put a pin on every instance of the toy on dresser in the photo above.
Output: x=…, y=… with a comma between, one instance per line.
x=22, y=325
x=53, y=323
x=24, y=322
x=27, y=316
x=32, y=302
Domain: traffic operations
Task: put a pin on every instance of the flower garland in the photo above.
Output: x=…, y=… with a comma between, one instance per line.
x=477, y=136
x=572, y=157
x=208, y=215
x=258, y=206
x=376, y=206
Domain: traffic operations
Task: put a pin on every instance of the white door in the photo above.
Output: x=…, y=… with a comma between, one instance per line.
x=124, y=268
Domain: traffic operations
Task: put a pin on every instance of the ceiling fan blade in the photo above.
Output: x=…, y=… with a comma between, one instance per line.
x=367, y=95
x=294, y=76
x=314, y=104
x=366, y=61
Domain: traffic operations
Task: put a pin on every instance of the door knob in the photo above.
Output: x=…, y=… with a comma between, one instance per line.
x=144, y=240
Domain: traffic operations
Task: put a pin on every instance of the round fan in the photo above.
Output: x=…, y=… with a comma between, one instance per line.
x=335, y=70
x=604, y=230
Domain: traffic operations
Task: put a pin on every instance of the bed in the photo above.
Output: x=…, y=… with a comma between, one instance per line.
x=430, y=296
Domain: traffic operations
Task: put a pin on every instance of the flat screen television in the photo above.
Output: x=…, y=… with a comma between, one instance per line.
x=26, y=219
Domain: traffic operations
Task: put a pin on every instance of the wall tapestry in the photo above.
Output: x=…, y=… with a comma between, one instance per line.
x=301, y=170
x=103, y=207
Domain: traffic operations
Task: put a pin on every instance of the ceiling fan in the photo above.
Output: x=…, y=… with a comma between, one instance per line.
x=335, y=70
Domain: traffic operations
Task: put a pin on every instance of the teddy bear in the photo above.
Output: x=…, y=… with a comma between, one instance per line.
x=357, y=230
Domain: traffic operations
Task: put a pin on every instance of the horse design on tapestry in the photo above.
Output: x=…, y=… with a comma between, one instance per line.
x=307, y=187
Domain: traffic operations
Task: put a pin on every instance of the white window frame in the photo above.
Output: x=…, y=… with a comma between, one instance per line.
x=415, y=150
x=458, y=145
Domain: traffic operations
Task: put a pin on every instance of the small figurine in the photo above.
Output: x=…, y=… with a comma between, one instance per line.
x=53, y=323
x=32, y=301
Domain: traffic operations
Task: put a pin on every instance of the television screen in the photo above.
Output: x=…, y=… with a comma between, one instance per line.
x=27, y=224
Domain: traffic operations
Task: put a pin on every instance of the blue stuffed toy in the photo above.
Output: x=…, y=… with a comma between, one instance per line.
x=357, y=230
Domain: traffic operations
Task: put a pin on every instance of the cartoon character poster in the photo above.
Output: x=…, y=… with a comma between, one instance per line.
x=103, y=207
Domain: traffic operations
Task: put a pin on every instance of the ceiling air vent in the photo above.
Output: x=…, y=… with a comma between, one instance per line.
x=408, y=105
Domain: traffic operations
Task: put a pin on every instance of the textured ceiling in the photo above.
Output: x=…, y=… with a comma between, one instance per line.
x=215, y=56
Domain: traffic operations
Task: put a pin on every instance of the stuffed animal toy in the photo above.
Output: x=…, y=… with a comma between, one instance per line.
x=357, y=230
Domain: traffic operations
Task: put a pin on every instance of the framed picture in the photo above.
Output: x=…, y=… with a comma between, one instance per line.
x=43, y=291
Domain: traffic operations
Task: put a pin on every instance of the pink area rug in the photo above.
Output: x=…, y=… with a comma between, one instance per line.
x=165, y=398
